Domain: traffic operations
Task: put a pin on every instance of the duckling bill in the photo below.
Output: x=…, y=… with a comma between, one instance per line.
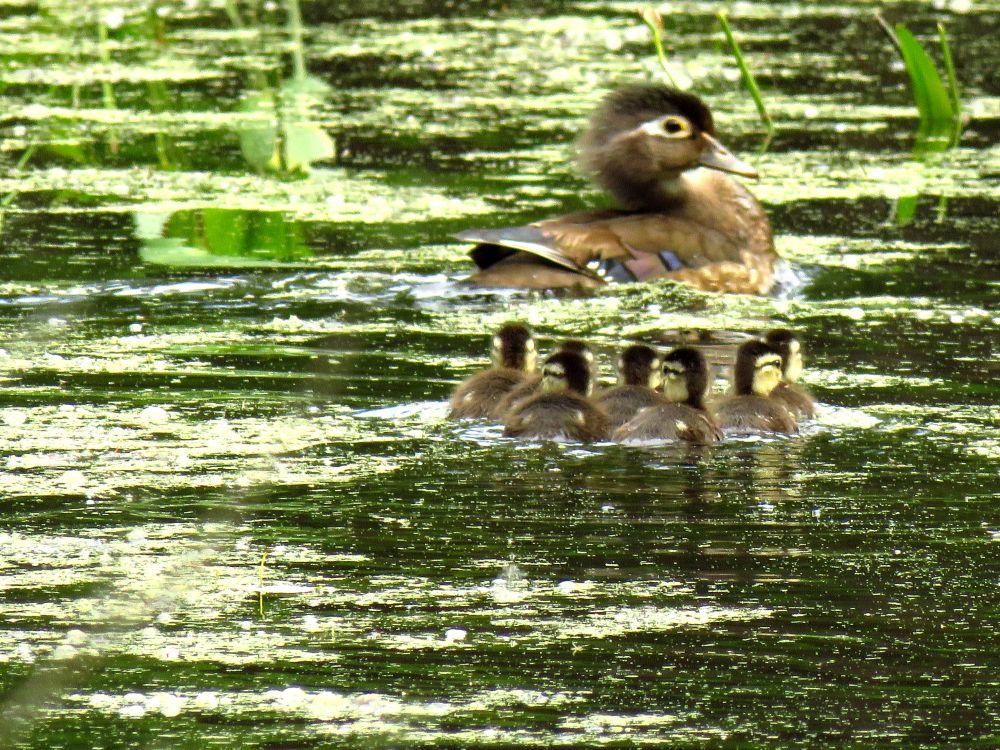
x=513, y=354
x=679, y=215
x=562, y=411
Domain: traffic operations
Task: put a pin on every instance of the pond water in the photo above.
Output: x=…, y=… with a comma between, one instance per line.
x=232, y=514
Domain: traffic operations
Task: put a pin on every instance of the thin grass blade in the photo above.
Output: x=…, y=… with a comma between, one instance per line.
x=748, y=80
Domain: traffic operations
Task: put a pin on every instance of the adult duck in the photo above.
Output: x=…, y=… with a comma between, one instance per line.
x=679, y=214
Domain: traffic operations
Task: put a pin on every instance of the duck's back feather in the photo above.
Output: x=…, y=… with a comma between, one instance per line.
x=670, y=422
x=623, y=402
x=557, y=416
x=479, y=396
x=749, y=415
x=796, y=399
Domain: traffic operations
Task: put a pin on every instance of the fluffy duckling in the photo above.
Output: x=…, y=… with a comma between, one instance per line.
x=798, y=400
x=532, y=384
x=751, y=409
x=514, y=356
x=562, y=411
x=683, y=415
x=639, y=375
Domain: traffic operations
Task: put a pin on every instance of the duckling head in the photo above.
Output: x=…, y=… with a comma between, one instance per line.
x=640, y=365
x=685, y=376
x=514, y=347
x=566, y=371
x=758, y=369
x=642, y=136
x=789, y=347
x=580, y=347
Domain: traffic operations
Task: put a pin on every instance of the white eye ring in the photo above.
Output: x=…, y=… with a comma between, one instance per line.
x=658, y=127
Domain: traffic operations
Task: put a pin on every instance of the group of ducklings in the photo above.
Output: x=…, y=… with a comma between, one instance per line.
x=658, y=397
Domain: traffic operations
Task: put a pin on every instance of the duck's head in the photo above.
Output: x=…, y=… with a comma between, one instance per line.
x=758, y=369
x=639, y=365
x=578, y=347
x=685, y=376
x=566, y=371
x=642, y=136
x=789, y=347
x=514, y=347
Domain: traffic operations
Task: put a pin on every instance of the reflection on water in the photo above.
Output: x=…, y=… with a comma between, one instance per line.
x=219, y=237
x=230, y=496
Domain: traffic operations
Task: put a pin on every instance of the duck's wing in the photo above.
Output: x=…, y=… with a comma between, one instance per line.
x=610, y=246
x=494, y=245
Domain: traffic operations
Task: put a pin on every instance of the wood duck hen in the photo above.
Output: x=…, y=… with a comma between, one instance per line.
x=679, y=215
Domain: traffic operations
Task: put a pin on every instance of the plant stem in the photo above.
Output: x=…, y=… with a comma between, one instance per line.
x=107, y=92
x=652, y=19
x=949, y=67
x=748, y=80
x=295, y=31
x=889, y=33
x=260, y=584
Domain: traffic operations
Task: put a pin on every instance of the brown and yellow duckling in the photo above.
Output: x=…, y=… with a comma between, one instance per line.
x=679, y=216
x=532, y=384
x=514, y=355
x=639, y=375
x=751, y=409
x=682, y=416
x=562, y=411
x=798, y=400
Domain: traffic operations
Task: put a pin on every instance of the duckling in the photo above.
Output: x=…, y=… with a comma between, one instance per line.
x=653, y=148
x=514, y=355
x=562, y=411
x=532, y=384
x=751, y=409
x=683, y=415
x=639, y=375
x=798, y=400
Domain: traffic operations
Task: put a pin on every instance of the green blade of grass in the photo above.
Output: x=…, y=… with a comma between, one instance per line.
x=655, y=23
x=748, y=80
x=929, y=92
x=949, y=68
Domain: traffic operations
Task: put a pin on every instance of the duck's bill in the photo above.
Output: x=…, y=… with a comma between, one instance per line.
x=717, y=156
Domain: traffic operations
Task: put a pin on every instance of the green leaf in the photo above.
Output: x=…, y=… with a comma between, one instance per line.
x=259, y=140
x=305, y=144
x=929, y=92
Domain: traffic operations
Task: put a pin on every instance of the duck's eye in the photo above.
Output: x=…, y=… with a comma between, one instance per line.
x=676, y=127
